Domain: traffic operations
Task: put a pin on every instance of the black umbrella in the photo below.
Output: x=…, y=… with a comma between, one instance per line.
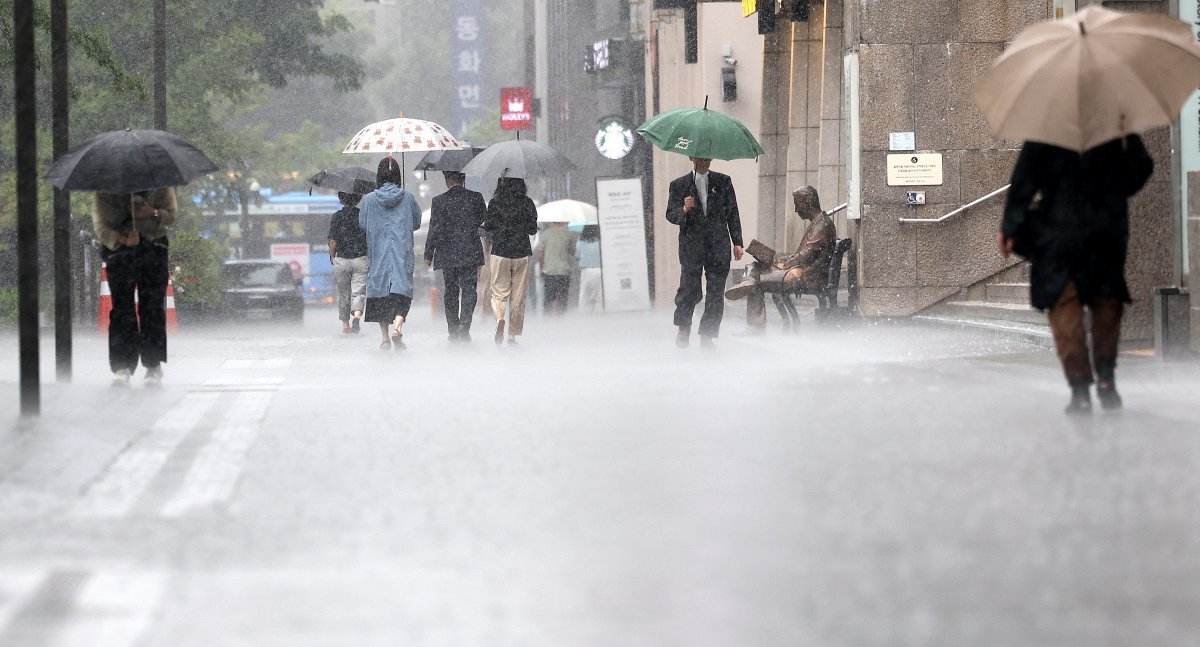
x=519, y=158
x=350, y=179
x=128, y=161
x=449, y=160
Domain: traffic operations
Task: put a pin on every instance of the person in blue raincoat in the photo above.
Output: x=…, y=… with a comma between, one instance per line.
x=389, y=215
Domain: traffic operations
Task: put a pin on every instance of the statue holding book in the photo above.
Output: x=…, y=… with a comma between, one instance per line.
x=807, y=268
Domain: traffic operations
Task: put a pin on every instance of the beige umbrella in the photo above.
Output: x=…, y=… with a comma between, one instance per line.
x=571, y=211
x=1091, y=78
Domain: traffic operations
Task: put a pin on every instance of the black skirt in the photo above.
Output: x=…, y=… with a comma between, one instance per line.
x=386, y=309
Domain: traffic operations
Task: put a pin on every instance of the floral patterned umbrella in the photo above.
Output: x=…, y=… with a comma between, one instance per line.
x=402, y=136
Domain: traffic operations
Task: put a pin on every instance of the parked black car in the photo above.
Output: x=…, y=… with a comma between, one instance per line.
x=262, y=289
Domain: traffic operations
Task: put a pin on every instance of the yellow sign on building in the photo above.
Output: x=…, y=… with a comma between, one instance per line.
x=749, y=7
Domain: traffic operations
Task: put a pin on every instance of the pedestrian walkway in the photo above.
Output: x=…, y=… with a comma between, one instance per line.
x=872, y=485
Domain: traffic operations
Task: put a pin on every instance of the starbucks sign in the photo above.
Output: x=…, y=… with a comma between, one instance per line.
x=614, y=138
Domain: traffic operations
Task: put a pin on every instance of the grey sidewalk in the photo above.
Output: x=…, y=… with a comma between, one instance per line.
x=878, y=485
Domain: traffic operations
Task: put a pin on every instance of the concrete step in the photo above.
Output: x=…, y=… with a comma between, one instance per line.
x=1011, y=312
x=1027, y=332
x=1015, y=293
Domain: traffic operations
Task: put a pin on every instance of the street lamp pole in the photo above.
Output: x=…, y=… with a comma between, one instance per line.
x=25, y=104
x=160, y=64
x=60, y=117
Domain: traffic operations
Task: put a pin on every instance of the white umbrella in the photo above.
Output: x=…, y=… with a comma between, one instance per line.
x=1092, y=78
x=569, y=211
x=402, y=135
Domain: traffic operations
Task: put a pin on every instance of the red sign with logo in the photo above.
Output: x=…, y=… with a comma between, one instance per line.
x=516, y=108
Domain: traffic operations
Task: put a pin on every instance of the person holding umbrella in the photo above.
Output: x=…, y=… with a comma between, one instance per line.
x=453, y=247
x=132, y=231
x=133, y=209
x=511, y=219
x=389, y=215
x=704, y=206
x=348, y=254
x=1078, y=91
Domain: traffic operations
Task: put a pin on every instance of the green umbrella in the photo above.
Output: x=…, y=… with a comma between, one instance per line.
x=700, y=132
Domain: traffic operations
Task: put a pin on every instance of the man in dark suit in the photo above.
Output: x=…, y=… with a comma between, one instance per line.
x=704, y=206
x=453, y=247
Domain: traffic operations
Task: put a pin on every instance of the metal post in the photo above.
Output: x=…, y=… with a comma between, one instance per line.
x=60, y=116
x=160, y=64
x=25, y=100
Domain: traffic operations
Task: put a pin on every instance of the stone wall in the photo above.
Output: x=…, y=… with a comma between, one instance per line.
x=918, y=61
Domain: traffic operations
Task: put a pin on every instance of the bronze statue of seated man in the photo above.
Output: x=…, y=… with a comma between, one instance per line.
x=806, y=269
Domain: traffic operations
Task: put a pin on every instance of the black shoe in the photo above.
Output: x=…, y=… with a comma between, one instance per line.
x=1110, y=400
x=499, y=332
x=683, y=338
x=1081, y=401
x=706, y=343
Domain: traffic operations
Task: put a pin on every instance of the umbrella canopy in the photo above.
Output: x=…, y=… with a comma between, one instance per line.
x=519, y=158
x=449, y=160
x=700, y=132
x=402, y=135
x=1099, y=75
x=128, y=161
x=569, y=211
x=349, y=179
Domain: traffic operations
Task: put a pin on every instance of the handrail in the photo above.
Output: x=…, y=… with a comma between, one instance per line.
x=837, y=208
x=962, y=208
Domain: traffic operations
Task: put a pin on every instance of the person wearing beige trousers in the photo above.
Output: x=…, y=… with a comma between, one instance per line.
x=511, y=220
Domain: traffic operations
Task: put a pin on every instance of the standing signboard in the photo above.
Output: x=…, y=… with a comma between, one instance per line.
x=623, y=244
x=466, y=59
x=516, y=108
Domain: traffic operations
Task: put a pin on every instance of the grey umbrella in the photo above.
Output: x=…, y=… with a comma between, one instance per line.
x=350, y=179
x=128, y=161
x=449, y=160
x=519, y=158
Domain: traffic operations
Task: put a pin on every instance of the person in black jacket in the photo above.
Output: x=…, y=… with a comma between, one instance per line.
x=1068, y=213
x=453, y=247
x=511, y=219
x=704, y=206
x=348, y=255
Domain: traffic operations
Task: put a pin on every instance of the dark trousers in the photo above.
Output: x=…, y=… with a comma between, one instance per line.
x=691, y=275
x=139, y=331
x=1070, y=338
x=459, y=297
x=556, y=288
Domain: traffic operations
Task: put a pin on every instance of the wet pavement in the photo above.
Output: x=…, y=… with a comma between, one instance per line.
x=869, y=485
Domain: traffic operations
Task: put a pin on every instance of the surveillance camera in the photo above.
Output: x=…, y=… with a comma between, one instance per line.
x=729, y=60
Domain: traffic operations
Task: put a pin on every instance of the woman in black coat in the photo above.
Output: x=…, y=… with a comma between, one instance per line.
x=511, y=220
x=1068, y=213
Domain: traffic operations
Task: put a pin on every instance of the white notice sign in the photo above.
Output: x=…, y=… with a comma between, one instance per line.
x=623, y=244
x=902, y=141
x=914, y=169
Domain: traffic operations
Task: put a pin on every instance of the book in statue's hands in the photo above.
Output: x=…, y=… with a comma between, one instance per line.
x=761, y=252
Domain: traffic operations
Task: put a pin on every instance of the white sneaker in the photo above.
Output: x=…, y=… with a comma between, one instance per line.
x=121, y=377
x=154, y=376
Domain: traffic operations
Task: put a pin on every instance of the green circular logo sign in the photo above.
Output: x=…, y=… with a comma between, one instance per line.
x=614, y=138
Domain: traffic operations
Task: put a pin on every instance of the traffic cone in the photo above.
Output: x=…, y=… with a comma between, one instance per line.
x=105, y=310
x=172, y=318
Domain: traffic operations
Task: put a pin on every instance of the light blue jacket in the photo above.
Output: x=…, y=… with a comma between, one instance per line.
x=389, y=215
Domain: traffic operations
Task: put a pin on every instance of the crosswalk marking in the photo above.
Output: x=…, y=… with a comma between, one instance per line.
x=274, y=362
x=118, y=490
x=77, y=608
x=216, y=470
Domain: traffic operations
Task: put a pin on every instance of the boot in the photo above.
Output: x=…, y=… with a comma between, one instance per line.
x=1081, y=400
x=745, y=286
x=1106, y=390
